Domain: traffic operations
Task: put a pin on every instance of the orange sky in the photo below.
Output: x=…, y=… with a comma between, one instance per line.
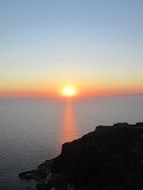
x=57, y=92
x=96, y=47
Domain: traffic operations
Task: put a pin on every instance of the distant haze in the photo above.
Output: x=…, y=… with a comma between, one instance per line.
x=95, y=45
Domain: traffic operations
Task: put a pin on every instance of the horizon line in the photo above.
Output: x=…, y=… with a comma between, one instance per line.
x=63, y=97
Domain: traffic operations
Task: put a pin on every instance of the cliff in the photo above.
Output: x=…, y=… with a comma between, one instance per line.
x=109, y=158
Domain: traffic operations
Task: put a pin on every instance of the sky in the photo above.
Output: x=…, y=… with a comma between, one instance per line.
x=94, y=45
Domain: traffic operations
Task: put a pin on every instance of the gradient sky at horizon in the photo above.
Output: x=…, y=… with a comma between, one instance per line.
x=95, y=45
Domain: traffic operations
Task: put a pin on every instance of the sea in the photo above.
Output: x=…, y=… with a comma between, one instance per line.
x=33, y=130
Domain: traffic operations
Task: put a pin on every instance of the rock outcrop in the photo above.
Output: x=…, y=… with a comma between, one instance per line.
x=109, y=158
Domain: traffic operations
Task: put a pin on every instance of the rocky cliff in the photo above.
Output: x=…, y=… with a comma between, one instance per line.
x=109, y=158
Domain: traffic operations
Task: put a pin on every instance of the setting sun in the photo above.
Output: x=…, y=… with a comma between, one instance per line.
x=69, y=91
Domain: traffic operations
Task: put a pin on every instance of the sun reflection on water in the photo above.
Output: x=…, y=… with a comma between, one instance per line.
x=69, y=128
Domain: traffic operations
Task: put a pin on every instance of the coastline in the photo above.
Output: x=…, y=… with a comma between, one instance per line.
x=110, y=157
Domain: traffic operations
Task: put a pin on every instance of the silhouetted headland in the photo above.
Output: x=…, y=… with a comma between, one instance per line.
x=109, y=158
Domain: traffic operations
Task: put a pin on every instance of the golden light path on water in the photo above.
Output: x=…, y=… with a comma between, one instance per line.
x=69, y=128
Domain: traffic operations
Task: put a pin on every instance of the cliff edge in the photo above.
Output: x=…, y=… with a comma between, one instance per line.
x=109, y=158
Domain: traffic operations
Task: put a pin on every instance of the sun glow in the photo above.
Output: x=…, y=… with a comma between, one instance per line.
x=69, y=91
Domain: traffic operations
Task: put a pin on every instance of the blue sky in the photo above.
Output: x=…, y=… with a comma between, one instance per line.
x=95, y=43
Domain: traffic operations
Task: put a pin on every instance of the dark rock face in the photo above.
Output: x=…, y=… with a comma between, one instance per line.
x=110, y=158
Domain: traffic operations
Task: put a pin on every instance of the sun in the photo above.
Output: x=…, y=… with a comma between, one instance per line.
x=69, y=91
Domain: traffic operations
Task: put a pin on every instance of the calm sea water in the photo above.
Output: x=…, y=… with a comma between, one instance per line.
x=32, y=131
